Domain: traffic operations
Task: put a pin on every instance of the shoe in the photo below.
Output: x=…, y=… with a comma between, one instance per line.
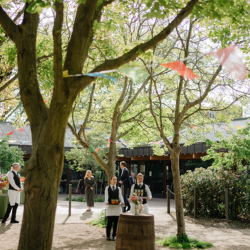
x=113, y=238
x=14, y=221
x=108, y=238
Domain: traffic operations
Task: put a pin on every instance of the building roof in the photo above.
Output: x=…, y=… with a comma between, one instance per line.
x=23, y=139
x=198, y=147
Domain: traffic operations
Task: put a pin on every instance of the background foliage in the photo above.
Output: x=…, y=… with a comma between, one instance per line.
x=9, y=155
x=211, y=186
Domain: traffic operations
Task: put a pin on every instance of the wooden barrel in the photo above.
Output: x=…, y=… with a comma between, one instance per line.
x=135, y=232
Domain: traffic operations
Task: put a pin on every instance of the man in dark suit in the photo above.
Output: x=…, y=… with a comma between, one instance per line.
x=124, y=179
x=131, y=181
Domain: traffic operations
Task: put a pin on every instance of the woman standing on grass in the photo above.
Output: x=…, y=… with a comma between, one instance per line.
x=89, y=182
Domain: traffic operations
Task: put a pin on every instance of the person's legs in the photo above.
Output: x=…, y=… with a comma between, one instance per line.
x=116, y=218
x=109, y=225
x=13, y=216
x=126, y=201
x=7, y=214
x=88, y=199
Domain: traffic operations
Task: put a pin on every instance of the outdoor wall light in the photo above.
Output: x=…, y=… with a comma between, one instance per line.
x=167, y=168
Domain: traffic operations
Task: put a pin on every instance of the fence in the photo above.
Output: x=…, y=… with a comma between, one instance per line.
x=195, y=202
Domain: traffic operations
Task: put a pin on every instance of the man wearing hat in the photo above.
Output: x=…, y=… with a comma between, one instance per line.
x=15, y=188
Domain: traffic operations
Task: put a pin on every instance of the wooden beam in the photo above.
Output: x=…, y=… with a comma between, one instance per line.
x=123, y=158
x=157, y=157
x=140, y=158
x=186, y=157
x=198, y=155
x=26, y=155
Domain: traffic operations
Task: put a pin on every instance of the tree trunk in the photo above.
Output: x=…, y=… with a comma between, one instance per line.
x=177, y=193
x=43, y=173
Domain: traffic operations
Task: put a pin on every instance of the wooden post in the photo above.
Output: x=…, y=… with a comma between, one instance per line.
x=70, y=192
x=195, y=202
x=168, y=199
x=227, y=204
x=164, y=179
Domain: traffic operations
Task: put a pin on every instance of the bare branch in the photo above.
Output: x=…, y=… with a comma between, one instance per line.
x=94, y=154
x=88, y=112
x=135, y=116
x=129, y=103
x=9, y=82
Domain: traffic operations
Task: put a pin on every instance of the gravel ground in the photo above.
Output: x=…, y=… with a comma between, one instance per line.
x=75, y=233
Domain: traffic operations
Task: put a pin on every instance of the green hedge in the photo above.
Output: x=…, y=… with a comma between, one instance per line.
x=81, y=199
x=211, y=186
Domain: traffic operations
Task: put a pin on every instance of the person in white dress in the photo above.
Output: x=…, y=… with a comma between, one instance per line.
x=113, y=192
x=15, y=188
x=143, y=190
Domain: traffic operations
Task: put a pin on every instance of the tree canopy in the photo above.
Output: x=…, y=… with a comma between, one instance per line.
x=51, y=37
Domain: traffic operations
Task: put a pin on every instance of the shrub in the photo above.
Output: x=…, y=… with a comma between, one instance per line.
x=211, y=186
x=101, y=221
x=183, y=242
x=81, y=199
x=100, y=199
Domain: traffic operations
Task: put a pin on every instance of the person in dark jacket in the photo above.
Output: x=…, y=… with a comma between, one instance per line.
x=131, y=181
x=89, y=182
x=124, y=179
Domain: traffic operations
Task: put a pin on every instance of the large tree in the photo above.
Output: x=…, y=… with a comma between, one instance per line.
x=48, y=124
x=177, y=104
x=44, y=168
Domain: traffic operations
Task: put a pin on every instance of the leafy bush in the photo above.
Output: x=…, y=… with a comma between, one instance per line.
x=211, y=186
x=100, y=199
x=101, y=221
x=183, y=242
x=81, y=199
x=9, y=155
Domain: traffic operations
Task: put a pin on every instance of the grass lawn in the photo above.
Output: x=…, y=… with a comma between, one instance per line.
x=183, y=242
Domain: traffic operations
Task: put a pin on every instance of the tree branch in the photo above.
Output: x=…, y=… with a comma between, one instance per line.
x=57, y=37
x=9, y=82
x=134, y=117
x=120, y=135
x=8, y=25
x=88, y=112
x=94, y=154
x=19, y=14
x=81, y=37
x=128, y=104
x=133, y=53
x=199, y=100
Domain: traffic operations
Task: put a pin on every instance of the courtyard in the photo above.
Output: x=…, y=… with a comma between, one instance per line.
x=74, y=232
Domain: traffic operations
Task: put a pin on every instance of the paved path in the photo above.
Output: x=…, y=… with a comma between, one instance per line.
x=74, y=233
x=80, y=215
